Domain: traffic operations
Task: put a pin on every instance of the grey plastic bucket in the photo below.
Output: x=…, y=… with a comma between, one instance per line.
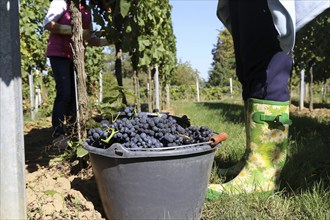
x=152, y=184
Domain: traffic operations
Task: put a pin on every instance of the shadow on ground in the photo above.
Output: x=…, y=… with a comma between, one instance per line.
x=315, y=105
x=38, y=148
x=88, y=188
x=308, y=159
x=231, y=112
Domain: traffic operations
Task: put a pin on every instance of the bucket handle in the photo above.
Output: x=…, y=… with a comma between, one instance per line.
x=216, y=139
x=119, y=151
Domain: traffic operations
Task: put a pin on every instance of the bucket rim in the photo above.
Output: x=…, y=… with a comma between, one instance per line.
x=117, y=150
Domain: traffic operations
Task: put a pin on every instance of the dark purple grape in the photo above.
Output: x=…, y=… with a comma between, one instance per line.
x=147, y=131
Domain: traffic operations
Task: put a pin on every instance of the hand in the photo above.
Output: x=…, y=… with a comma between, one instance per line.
x=108, y=9
x=97, y=42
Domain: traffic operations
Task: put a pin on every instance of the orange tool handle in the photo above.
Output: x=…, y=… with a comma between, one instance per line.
x=216, y=139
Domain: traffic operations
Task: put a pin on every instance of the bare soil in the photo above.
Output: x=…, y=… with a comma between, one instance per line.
x=56, y=188
x=323, y=113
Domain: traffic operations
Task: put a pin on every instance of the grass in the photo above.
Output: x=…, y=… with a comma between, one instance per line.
x=305, y=179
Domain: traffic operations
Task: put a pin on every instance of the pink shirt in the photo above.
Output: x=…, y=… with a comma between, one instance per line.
x=60, y=45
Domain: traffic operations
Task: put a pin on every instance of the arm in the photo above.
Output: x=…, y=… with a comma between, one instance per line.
x=64, y=29
x=57, y=28
x=56, y=10
x=96, y=41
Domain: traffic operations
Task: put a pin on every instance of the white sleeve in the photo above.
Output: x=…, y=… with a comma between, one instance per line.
x=55, y=11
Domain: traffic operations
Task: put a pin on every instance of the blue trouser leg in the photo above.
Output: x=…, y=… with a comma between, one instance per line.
x=64, y=104
x=278, y=73
x=261, y=66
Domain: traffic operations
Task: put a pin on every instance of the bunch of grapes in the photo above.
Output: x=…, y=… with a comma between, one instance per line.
x=143, y=130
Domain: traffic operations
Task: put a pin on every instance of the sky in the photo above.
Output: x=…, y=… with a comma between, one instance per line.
x=196, y=28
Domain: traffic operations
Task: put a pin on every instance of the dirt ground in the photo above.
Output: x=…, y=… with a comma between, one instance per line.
x=318, y=112
x=58, y=189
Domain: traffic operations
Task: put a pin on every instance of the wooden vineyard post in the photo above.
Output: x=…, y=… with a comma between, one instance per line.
x=101, y=87
x=79, y=68
x=149, y=88
x=32, y=101
x=302, y=89
x=197, y=89
x=231, y=86
x=136, y=88
x=311, y=101
x=156, y=81
x=168, y=99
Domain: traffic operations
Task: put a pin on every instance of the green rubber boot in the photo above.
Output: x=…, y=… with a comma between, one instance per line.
x=267, y=135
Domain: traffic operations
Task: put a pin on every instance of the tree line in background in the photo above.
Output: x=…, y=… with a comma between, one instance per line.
x=143, y=43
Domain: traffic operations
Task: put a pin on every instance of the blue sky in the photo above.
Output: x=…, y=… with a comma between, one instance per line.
x=196, y=28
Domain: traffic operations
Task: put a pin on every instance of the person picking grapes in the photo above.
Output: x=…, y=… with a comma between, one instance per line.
x=264, y=36
x=60, y=54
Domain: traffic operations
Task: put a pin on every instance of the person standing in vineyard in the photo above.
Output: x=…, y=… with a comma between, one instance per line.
x=264, y=35
x=60, y=54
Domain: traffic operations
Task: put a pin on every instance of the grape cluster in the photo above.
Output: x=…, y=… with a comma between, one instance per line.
x=144, y=130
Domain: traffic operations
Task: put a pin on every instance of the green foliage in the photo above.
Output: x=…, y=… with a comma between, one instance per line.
x=112, y=103
x=126, y=64
x=48, y=94
x=156, y=39
x=73, y=151
x=184, y=74
x=223, y=65
x=143, y=29
x=94, y=64
x=213, y=93
x=81, y=152
x=33, y=41
x=312, y=47
x=183, y=92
